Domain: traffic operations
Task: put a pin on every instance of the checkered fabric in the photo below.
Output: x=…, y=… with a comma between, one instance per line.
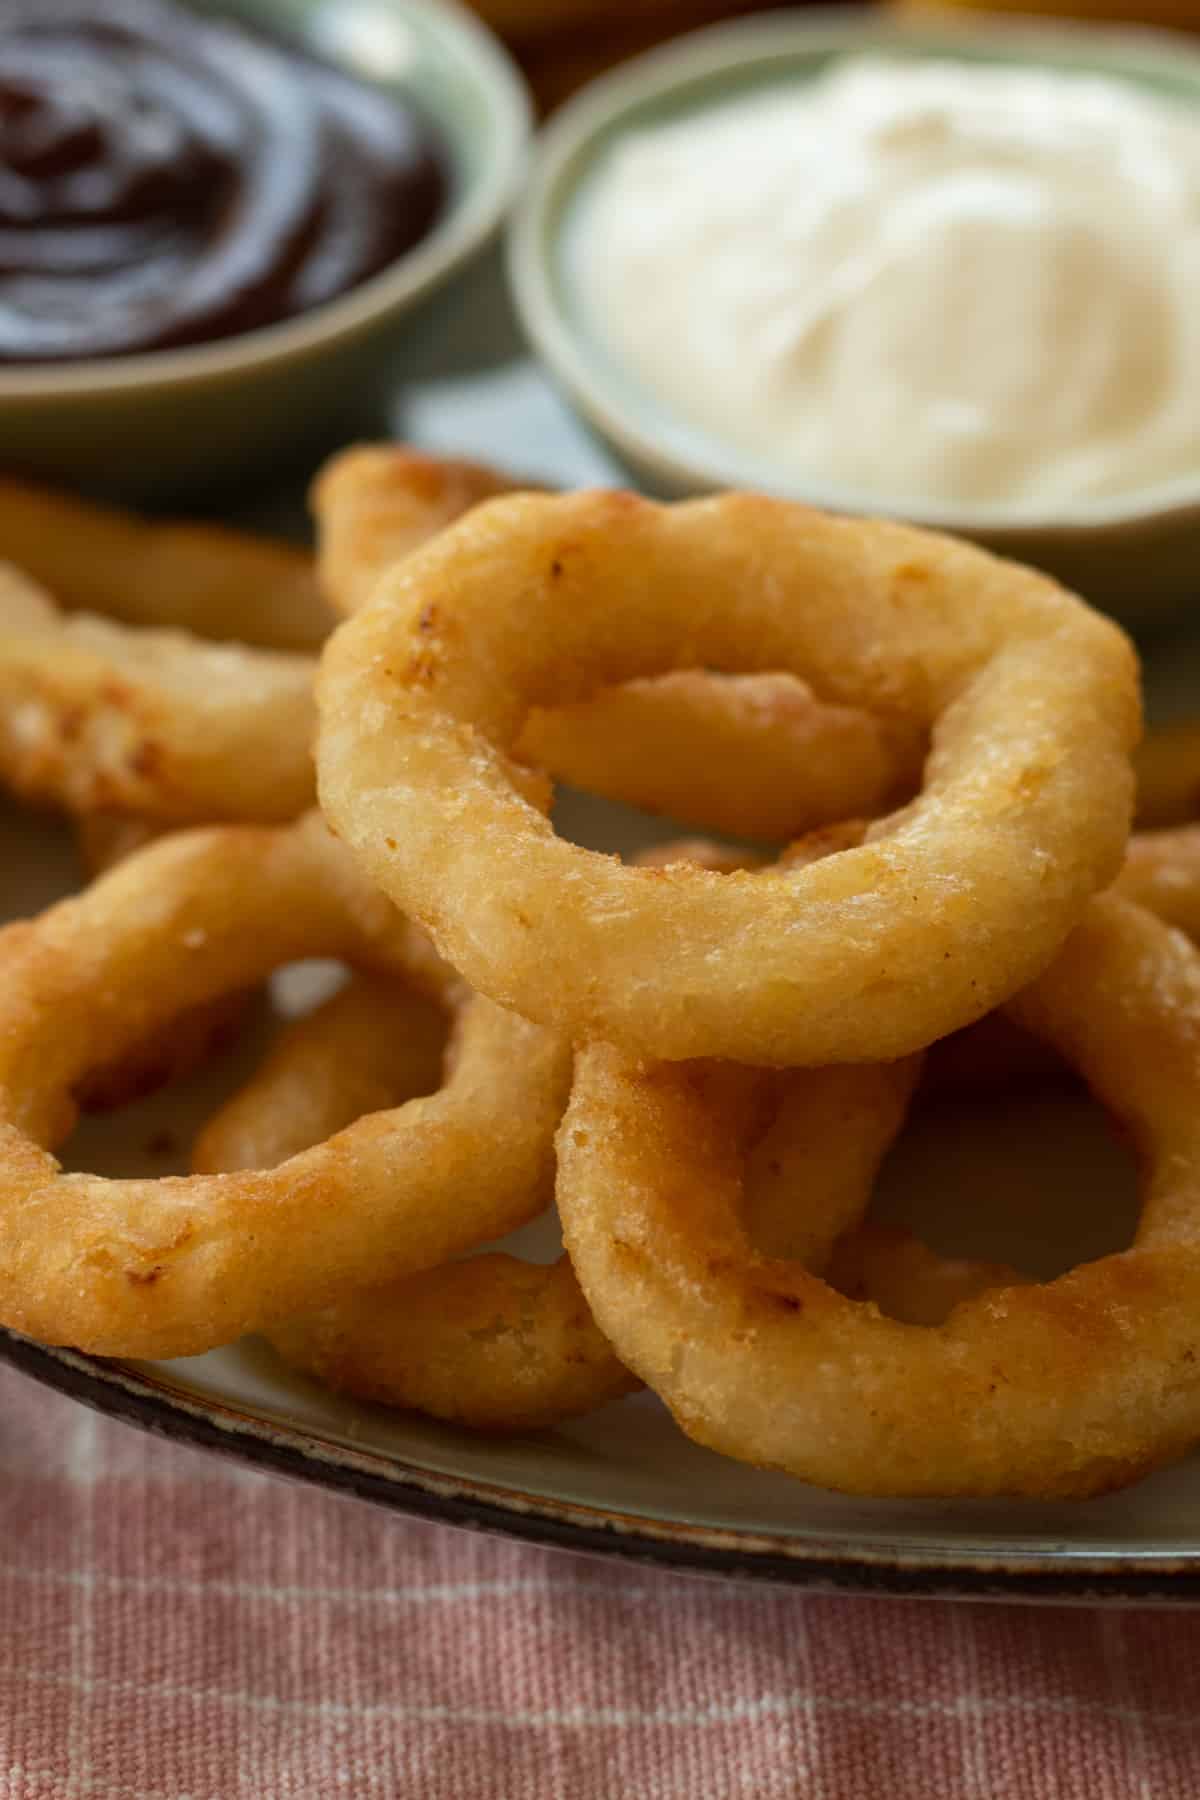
x=175, y=1628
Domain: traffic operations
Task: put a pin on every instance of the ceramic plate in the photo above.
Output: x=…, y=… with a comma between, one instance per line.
x=1042, y=1181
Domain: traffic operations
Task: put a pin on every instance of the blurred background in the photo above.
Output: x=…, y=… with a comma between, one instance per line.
x=563, y=43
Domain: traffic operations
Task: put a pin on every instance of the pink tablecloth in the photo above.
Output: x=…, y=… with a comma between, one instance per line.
x=172, y=1628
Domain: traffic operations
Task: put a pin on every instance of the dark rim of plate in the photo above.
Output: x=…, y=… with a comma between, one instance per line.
x=385, y=1480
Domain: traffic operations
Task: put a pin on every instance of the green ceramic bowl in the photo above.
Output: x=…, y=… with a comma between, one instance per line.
x=1137, y=556
x=182, y=424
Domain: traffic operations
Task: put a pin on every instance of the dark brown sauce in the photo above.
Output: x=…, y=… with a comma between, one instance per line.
x=169, y=179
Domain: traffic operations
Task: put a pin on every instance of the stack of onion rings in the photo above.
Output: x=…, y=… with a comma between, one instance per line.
x=494, y=1342
x=172, y=1267
x=747, y=1034
x=124, y=703
x=497, y=1344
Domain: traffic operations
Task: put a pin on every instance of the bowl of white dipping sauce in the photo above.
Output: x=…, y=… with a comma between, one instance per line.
x=948, y=272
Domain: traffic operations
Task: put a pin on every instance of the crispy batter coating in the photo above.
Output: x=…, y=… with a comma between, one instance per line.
x=192, y=1039
x=204, y=579
x=1064, y=1389
x=906, y=1279
x=493, y=1343
x=370, y=1046
x=374, y=504
x=173, y=1266
x=755, y=756
x=97, y=716
x=1162, y=872
x=531, y=601
x=490, y=1342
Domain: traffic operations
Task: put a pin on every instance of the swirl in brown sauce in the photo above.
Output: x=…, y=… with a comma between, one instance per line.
x=169, y=179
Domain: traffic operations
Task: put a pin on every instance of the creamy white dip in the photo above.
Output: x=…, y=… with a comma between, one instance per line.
x=931, y=281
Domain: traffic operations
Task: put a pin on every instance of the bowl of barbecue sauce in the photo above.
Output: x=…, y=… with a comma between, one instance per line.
x=217, y=218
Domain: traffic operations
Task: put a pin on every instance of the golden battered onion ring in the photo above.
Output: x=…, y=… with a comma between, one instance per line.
x=141, y=718
x=906, y=1279
x=192, y=1039
x=1167, y=765
x=1070, y=1388
x=535, y=601
x=370, y=1046
x=97, y=716
x=727, y=750
x=751, y=755
x=494, y=1342
x=499, y=1344
x=174, y=1266
x=374, y=504
x=1162, y=873
x=187, y=1043
x=491, y=1342
x=205, y=579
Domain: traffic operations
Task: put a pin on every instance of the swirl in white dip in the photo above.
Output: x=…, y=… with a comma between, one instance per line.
x=931, y=281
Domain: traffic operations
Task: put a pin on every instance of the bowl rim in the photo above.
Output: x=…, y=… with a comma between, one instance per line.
x=684, y=455
x=470, y=219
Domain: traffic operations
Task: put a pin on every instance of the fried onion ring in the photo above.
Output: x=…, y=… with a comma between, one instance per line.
x=127, y=713
x=1162, y=873
x=143, y=717
x=498, y=1344
x=98, y=716
x=205, y=579
x=752, y=755
x=492, y=1342
x=1070, y=1388
x=174, y=1266
x=374, y=504
x=370, y=1046
x=1168, y=775
x=906, y=1279
x=192, y=1039
x=531, y=601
